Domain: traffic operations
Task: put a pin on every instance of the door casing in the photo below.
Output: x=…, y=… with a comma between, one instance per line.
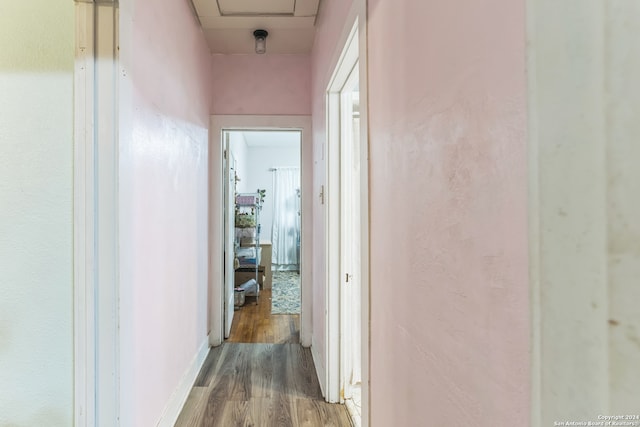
x=220, y=124
x=98, y=113
x=354, y=52
x=229, y=210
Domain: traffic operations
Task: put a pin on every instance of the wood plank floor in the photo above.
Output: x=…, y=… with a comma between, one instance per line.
x=266, y=385
x=255, y=324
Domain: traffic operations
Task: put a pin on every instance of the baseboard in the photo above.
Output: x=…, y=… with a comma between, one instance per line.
x=179, y=397
x=320, y=372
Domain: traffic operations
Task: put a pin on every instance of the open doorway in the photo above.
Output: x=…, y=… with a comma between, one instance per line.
x=347, y=235
x=262, y=249
x=266, y=158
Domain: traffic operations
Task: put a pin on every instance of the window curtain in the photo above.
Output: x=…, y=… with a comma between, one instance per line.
x=285, y=234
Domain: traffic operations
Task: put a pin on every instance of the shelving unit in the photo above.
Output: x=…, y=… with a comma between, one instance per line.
x=247, y=225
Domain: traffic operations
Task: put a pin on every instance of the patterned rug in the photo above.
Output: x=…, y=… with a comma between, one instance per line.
x=285, y=292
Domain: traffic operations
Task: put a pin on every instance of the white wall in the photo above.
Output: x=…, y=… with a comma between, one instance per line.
x=584, y=94
x=623, y=208
x=259, y=161
x=239, y=149
x=36, y=270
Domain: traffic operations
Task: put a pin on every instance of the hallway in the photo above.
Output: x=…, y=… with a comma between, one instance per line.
x=260, y=376
x=244, y=384
x=499, y=276
x=254, y=323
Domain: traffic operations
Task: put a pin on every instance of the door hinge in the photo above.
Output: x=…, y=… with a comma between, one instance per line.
x=322, y=194
x=348, y=277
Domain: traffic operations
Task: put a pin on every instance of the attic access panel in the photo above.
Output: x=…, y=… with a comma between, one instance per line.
x=256, y=7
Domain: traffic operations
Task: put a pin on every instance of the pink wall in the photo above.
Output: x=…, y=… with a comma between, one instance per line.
x=163, y=203
x=449, y=281
x=261, y=84
x=329, y=25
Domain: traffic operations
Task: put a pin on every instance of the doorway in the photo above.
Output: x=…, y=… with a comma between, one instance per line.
x=347, y=234
x=223, y=131
x=263, y=241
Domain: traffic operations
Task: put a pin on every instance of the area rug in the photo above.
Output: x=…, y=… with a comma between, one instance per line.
x=285, y=292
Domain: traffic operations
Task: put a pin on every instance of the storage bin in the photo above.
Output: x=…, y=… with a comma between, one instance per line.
x=238, y=297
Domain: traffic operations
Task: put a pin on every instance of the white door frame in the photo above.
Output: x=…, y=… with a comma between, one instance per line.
x=229, y=216
x=345, y=66
x=354, y=51
x=220, y=123
x=96, y=279
x=347, y=256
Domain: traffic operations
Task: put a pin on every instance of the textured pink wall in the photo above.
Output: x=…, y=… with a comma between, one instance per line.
x=329, y=25
x=261, y=84
x=449, y=282
x=163, y=203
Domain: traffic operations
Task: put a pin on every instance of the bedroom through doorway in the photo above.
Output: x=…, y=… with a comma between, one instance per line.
x=264, y=241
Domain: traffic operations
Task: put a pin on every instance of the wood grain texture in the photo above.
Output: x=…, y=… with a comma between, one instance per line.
x=254, y=323
x=193, y=410
x=260, y=385
x=209, y=367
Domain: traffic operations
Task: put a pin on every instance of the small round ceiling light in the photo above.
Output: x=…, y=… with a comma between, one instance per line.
x=261, y=40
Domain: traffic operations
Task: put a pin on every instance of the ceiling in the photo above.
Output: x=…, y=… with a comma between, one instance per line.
x=229, y=24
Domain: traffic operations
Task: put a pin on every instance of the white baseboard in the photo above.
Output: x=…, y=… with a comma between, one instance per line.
x=317, y=361
x=179, y=397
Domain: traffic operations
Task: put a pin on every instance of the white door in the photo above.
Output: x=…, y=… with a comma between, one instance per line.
x=229, y=233
x=346, y=237
x=350, y=237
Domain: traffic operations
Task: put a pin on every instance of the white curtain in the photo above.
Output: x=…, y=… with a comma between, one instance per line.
x=286, y=218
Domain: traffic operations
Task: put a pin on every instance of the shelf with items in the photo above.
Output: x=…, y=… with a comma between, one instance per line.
x=247, y=243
